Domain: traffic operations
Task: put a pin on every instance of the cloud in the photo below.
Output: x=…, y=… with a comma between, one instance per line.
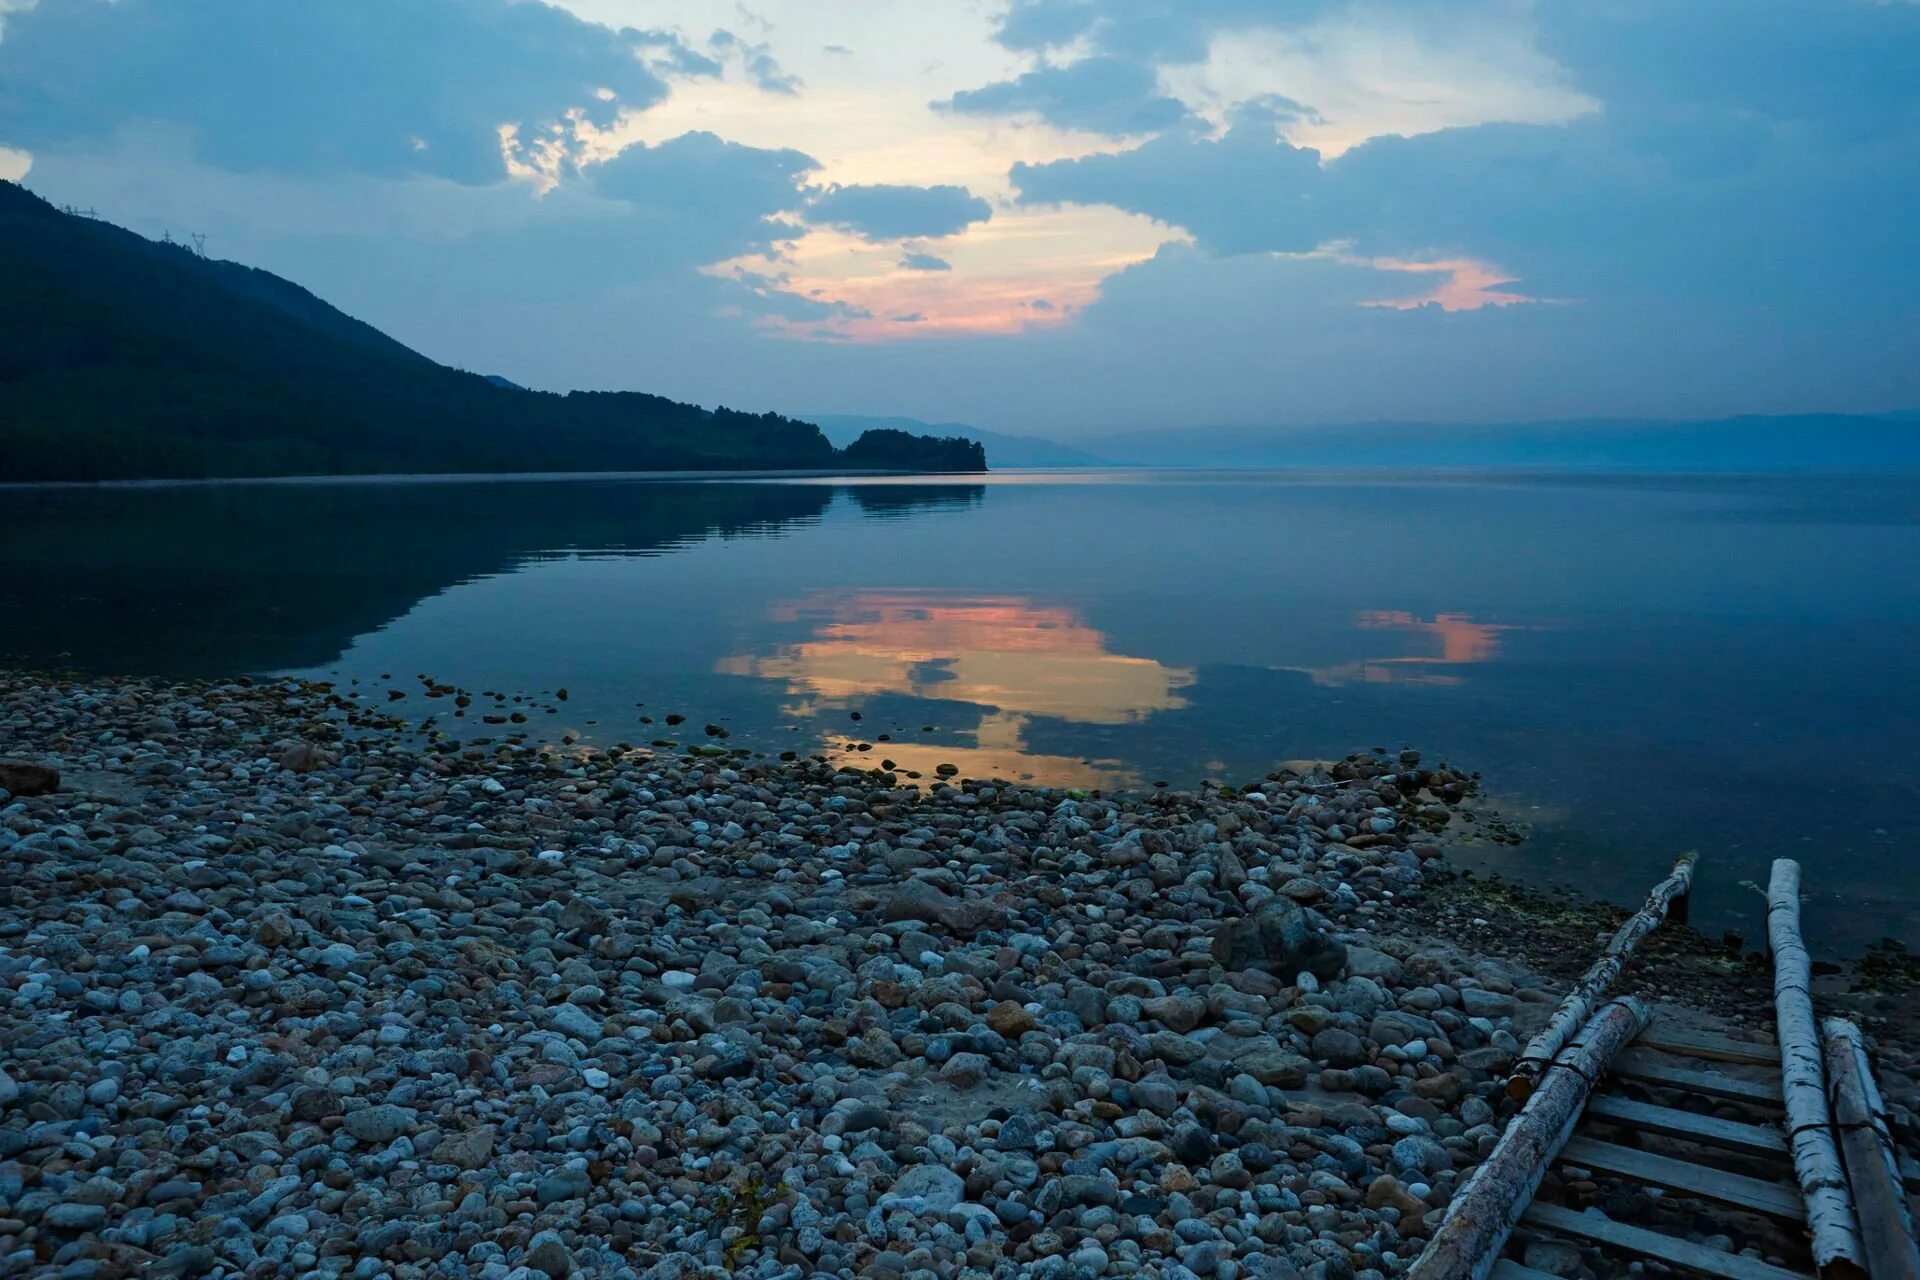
x=924, y=262
x=1161, y=30
x=1114, y=96
x=1727, y=177
x=1245, y=192
x=758, y=61
x=889, y=212
x=719, y=198
x=1032, y=25
x=392, y=87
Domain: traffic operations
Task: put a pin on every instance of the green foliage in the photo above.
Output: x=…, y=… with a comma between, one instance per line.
x=125, y=358
x=884, y=447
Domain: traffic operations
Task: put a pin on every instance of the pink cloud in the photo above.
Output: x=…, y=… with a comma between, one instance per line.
x=1469, y=285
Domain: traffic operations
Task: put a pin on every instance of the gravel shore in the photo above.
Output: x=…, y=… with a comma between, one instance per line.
x=287, y=989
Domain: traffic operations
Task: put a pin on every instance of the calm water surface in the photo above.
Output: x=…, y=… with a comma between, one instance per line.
x=1636, y=667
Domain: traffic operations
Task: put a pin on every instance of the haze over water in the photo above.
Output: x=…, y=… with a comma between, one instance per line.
x=1636, y=667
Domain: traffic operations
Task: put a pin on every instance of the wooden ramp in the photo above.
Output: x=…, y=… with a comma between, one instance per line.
x=1789, y=1148
x=1696, y=1118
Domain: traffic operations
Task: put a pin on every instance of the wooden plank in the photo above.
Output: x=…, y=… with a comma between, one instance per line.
x=1668, y=1038
x=1603, y=1230
x=1652, y=1068
x=1669, y=1122
x=1777, y=1199
x=1508, y=1269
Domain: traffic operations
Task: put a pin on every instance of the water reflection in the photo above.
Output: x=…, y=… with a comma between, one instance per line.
x=1713, y=664
x=209, y=580
x=1013, y=658
x=1462, y=642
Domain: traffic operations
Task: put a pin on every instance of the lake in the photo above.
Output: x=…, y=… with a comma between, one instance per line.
x=1636, y=667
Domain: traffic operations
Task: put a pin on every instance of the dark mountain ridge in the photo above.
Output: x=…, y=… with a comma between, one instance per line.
x=131, y=359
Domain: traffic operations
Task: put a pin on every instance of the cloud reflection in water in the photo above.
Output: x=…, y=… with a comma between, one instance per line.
x=1009, y=656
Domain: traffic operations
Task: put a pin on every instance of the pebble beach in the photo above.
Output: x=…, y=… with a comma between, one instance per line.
x=289, y=988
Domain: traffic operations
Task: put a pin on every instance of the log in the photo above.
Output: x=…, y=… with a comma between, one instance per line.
x=1866, y=1142
x=1816, y=1161
x=1483, y=1212
x=1598, y=980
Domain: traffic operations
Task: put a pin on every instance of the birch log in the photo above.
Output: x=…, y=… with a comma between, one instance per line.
x=1593, y=987
x=1866, y=1141
x=1816, y=1161
x=1482, y=1213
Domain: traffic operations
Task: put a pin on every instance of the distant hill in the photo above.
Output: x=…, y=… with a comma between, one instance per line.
x=1005, y=450
x=1829, y=443
x=125, y=358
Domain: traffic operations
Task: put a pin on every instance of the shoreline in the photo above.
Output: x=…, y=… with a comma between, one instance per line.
x=370, y=996
x=474, y=477
x=1382, y=474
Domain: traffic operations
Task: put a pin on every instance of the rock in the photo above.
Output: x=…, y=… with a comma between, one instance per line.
x=1281, y=1068
x=303, y=757
x=24, y=778
x=1279, y=938
x=938, y=1189
x=1488, y=1060
x=581, y=916
x=1192, y=1144
x=571, y=1020
x=1180, y=1013
x=76, y=1217
x=469, y=1150
x=1481, y=1003
x=1365, y=962
x=1555, y=1257
x=1302, y=889
x=520, y=1011
x=920, y=900
x=563, y=1184
x=873, y=1049
x=1419, y=1154
x=1010, y=1019
x=275, y=929
x=1016, y=1133
x=1388, y=1192
x=1400, y=1028
x=1340, y=1048
x=547, y=1254
x=1079, y=1191
x=380, y=1125
x=965, y=1070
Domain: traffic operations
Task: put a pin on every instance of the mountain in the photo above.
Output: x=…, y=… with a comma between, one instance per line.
x=1007, y=451
x=125, y=358
x=1829, y=443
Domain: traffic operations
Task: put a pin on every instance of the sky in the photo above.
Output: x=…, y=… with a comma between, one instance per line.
x=1063, y=217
